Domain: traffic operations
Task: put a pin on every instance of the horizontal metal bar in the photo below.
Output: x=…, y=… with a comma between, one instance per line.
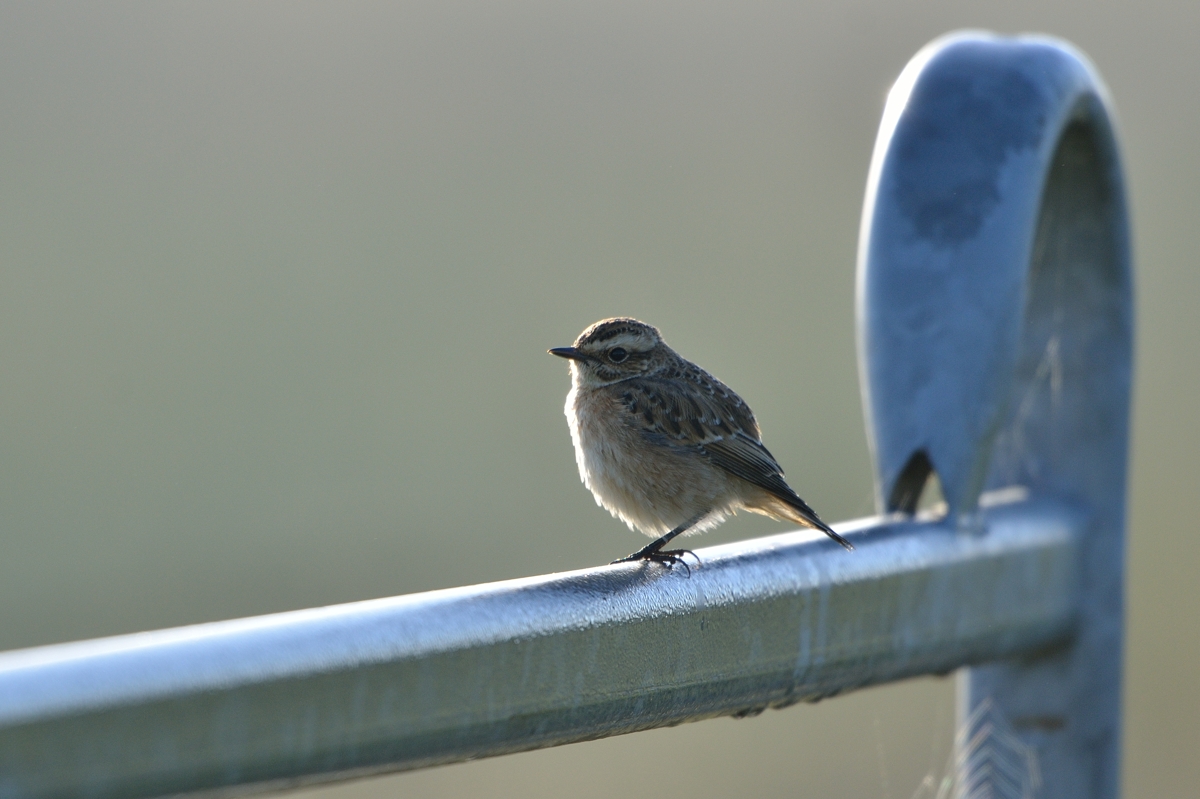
x=464, y=673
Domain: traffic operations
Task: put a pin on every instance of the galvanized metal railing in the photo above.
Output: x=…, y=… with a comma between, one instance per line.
x=995, y=333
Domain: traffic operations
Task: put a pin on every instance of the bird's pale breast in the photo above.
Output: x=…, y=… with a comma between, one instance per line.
x=651, y=487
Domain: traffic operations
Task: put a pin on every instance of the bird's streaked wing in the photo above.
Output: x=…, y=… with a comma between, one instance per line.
x=684, y=413
x=704, y=415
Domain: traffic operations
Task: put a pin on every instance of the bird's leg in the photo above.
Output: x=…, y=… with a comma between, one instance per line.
x=654, y=550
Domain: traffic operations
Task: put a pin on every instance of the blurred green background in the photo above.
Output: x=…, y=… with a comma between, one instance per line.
x=277, y=281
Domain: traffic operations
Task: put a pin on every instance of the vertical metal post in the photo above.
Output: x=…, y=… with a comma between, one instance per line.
x=995, y=334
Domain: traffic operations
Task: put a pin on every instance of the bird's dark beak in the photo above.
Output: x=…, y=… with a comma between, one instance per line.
x=569, y=352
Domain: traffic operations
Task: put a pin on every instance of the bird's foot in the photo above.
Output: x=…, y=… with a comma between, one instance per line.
x=667, y=557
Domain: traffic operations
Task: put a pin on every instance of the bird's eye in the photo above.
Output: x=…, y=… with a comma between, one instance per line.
x=616, y=355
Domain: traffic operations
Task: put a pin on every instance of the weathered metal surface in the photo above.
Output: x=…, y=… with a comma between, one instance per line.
x=995, y=318
x=464, y=673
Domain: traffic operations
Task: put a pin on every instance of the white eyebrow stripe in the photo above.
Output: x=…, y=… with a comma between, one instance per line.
x=630, y=341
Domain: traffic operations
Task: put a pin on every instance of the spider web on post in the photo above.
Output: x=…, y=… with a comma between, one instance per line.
x=989, y=762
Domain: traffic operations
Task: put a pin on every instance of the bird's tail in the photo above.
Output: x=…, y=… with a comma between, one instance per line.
x=796, y=510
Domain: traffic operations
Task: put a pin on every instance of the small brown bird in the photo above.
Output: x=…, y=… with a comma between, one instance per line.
x=665, y=446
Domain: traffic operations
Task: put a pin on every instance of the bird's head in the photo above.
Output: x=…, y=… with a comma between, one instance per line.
x=615, y=349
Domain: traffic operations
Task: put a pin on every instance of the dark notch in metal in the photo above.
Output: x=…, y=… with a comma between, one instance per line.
x=906, y=491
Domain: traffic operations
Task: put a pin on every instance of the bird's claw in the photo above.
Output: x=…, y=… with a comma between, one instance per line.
x=667, y=557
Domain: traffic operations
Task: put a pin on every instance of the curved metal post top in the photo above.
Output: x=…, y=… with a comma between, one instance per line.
x=995, y=341
x=962, y=180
